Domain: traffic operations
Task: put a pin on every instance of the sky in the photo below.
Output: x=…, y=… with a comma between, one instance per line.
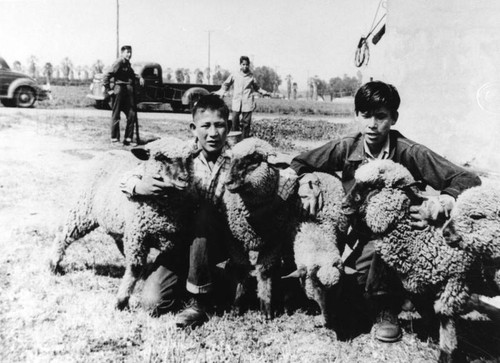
x=297, y=37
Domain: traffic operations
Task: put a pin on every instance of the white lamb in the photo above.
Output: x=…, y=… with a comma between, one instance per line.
x=136, y=224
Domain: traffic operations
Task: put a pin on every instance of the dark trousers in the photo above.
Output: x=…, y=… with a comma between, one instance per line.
x=165, y=287
x=207, y=249
x=242, y=124
x=124, y=100
x=372, y=273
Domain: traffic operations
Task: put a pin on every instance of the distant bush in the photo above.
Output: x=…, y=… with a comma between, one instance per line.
x=282, y=132
x=304, y=107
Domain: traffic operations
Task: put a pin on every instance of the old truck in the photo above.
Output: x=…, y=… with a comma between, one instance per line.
x=154, y=93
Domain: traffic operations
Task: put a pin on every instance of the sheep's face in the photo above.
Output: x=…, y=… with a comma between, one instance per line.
x=175, y=169
x=171, y=159
x=250, y=172
x=475, y=222
x=378, y=209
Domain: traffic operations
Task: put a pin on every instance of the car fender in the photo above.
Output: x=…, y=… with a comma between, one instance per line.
x=21, y=82
x=191, y=93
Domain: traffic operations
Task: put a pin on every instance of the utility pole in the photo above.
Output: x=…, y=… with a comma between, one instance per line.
x=117, y=28
x=208, y=69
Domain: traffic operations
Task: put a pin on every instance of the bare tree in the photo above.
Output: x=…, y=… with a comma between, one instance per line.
x=288, y=85
x=199, y=75
x=32, y=63
x=98, y=66
x=48, y=70
x=66, y=67
x=17, y=66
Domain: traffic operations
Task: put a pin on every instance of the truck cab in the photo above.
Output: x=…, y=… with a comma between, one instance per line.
x=154, y=93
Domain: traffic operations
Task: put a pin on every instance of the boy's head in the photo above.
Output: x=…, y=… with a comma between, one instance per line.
x=244, y=64
x=378, y=104
x=126, y=52
x=210, y=124
x=374, y=95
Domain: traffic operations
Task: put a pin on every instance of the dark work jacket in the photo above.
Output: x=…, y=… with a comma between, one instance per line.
x=347, y=154
x=122, y=73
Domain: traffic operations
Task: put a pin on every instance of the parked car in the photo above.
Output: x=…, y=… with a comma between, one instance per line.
x=154, y=92
x=18, y=89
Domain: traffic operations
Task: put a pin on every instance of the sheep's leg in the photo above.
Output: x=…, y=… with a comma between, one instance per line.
x=136, y=254
x=75, y=228
x=265, y=292
x=448, y=341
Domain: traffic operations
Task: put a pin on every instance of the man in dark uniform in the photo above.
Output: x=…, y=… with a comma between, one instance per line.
x=124, y=95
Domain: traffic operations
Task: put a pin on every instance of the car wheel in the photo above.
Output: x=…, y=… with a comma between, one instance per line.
x=25, y=97
x=8, y=103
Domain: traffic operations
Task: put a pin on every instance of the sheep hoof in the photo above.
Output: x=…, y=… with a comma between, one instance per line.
x=122, y=304
x=268, y=311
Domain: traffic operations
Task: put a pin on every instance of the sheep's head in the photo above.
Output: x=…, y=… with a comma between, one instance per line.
x=170, y=158
x=250, y=168
x=475, y=222
x=381, y=195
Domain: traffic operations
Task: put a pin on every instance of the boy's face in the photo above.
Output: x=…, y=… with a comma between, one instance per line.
x=245, y=66
x=211, y=131
x=127, y=54
x=376, y=125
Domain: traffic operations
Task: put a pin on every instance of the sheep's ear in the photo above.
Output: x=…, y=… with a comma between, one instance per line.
x=141, y=153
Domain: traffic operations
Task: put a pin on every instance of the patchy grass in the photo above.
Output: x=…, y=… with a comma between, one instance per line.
x=74, y=96
x=71, y=318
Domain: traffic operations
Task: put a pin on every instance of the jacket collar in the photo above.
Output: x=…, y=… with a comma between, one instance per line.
x=357, y=150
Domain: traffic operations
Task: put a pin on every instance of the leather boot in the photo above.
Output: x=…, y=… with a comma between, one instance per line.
x=196, y=313
x=387, y=327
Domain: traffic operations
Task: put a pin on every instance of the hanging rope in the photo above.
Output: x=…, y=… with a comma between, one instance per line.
x=362, y=55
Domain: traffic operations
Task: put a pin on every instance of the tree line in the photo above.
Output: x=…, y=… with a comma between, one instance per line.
x=267, y=77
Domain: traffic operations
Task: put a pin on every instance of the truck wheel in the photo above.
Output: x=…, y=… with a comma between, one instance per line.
x=25, y=97
x=8, y=103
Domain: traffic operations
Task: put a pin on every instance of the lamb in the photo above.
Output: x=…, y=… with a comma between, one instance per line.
x=423, y=260
x=136, y=225
x=266, y=228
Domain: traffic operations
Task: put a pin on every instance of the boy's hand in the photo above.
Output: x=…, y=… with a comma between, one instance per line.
x=310, y=195
x=152, y=185
x=431, y=210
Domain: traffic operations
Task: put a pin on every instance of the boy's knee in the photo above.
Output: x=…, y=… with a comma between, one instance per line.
x=161, y=292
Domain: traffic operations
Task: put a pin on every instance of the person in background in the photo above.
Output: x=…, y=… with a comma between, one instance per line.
x=243, y=104
x=123, y=93
x=376, y=106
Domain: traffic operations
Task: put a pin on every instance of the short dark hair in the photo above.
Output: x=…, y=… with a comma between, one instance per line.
x=213, y=103
x=376, y=94
x=126, y=47
x=244, y=58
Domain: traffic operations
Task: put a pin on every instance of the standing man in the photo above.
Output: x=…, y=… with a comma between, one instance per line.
x=244, y=85
x=123, y=94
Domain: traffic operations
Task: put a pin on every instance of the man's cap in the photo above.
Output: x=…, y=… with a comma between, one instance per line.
x=126, y=47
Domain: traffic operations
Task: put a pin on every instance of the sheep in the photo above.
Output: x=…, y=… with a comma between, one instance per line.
x=474, y=226
x=267, y=228
x=425, y=263
x=136, y=224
